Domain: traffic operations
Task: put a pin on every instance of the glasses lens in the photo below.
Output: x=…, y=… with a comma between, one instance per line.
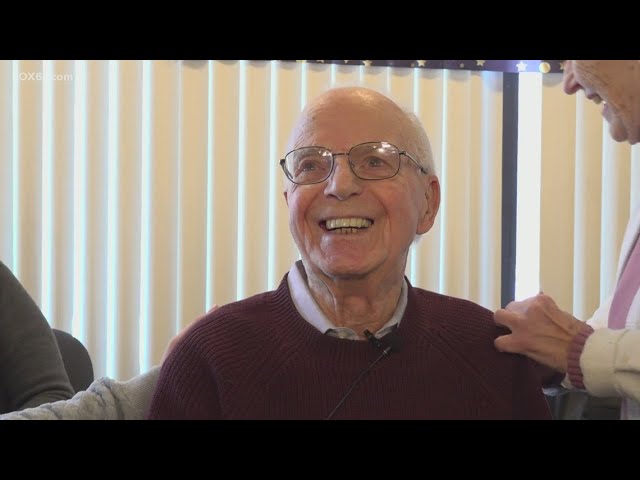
x=308, y=165
x=375, y=161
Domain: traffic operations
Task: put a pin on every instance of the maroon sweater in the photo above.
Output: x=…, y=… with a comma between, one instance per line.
x=259, y=359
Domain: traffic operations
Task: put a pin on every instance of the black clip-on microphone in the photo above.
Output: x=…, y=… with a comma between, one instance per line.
x=389, y=343
x=390, y=346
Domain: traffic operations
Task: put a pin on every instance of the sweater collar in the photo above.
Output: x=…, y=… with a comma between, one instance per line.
x=311, y=312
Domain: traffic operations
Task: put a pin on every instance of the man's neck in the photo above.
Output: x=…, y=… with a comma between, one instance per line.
x=356, y=303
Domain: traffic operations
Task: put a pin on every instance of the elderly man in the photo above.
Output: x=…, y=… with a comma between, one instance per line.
x=361, y=186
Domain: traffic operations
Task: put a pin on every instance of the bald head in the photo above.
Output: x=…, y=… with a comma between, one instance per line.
x=343, y=117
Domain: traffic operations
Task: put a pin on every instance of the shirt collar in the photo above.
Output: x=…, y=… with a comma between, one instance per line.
x=310, y=311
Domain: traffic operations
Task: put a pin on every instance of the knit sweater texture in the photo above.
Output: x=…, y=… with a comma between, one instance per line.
x=259, y=359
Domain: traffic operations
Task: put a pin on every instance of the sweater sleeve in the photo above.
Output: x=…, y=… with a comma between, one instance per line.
x=610, y=363
x=186, y=388
x=31, y=368
x=528, y=399
x=105, y=399
x=610, y=359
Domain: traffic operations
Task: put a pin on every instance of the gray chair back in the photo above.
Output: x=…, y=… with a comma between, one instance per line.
x=77, y=361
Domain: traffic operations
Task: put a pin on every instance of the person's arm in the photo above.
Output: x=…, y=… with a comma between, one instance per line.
x=604, y=362
x=105, y=399
x=31, y=368
x=558, y=383
x=610, y=363
x=599, y=319
x=539, y=330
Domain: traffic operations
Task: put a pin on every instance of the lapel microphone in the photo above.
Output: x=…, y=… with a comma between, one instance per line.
x=388, y=344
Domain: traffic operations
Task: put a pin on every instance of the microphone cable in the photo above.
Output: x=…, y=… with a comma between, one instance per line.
x=392, y=345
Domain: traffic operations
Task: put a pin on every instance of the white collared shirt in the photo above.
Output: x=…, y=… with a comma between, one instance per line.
x=311, y=312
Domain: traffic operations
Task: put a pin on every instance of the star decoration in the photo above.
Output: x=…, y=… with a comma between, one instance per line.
x=522, y=66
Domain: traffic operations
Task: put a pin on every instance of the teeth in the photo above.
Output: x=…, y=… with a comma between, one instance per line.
x=347, y=223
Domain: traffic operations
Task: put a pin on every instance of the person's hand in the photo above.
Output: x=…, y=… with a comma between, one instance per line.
x=539, y=330
x=174, y=341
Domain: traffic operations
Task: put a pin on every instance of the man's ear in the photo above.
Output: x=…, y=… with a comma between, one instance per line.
x=431, y=205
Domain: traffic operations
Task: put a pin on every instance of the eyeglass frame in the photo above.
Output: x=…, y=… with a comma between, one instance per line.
x=283, y=162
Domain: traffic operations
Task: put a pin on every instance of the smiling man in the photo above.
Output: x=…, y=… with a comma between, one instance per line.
x=345, y=335
x=614, y=84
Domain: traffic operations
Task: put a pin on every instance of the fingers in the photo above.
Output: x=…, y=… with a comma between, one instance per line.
x=505, y=344
x=513, y=343
x=544, y=300
x=523, y=306
x=519, y=306
x=505, y=318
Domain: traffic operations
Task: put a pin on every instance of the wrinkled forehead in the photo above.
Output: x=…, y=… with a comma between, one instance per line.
x=341, y=126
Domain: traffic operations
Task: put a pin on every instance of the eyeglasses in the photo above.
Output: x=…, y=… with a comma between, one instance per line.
x=368, y=161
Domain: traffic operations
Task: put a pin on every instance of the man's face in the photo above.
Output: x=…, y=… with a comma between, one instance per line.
x=616, y=82
x=387, y=213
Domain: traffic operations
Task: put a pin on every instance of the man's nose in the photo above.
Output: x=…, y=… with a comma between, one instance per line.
x=569, y=84
x=342, y=183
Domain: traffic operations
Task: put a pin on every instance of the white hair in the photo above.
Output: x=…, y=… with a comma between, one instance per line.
x=419, y=143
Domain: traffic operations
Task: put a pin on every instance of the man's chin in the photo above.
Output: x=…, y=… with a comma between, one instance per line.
x=346, y=274
x=345, y=271
x=619, y=133
x=634, y=137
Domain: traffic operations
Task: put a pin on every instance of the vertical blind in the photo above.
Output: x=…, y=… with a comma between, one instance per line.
x=136, y=194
